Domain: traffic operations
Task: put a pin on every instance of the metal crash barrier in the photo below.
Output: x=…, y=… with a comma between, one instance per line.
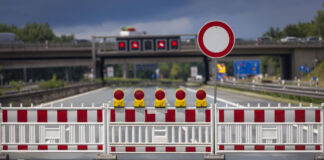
x=160, y=129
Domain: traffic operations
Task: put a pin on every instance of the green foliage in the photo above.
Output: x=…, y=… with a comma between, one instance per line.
x=34, y=32
x=313, y=28
x=273, y=33
x=53, y=83
x=15, y=84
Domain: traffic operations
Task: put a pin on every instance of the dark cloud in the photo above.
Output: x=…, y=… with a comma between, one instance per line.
x=249, y=18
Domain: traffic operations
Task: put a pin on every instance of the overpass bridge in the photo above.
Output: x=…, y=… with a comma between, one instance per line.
x=103, y=50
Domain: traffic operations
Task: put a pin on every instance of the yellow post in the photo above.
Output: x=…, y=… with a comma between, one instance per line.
x=119, y=98
x=139, y=98
x=201, y=98
x=159, y=98
x=180, y=98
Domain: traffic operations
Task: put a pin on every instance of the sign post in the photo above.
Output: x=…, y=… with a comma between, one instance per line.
x=215, y=40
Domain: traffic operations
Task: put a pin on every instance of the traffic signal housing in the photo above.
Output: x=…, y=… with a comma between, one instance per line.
x=122, y=45
x=174, y=44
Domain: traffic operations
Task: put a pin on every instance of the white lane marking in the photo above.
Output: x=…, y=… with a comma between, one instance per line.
x=219, y=99
x=71, y=97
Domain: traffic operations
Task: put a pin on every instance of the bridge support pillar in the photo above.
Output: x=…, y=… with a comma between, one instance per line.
x=105, y=156
x=4, y=156
x=218, y=156
x=125, y=70
x=206, y=65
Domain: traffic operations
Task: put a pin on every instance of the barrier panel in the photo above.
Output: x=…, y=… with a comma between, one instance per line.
x=113, y=130
x=52, y=129
x=269, y=129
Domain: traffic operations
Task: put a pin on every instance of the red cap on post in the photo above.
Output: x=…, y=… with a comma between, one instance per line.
x=180, y=94
x=201, y=94
x=159, y=94
x=139, y=94
x=119, y=94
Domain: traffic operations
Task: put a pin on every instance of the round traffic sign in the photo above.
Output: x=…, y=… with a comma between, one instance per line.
x=216, y=39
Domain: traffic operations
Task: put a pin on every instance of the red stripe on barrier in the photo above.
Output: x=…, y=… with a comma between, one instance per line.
x=190, y=115
x=208, y=149
x=221, y=147
x=82, y=147
x=170, y=115
x=42, y=116
x=238, y=147
x=300, y=147
x=190, y=149
x=4, y=147
x=99, y=147
x=113, y=149
x=207, y=117
x=279, y=147
x=99, y=115
x=61, y=115
x=317, y=147
x=258, y=115
x=299, y=115
x=259, y=147
x=238, y=115
x=82, y=116
x=22, y=147
x=221, y=115
x=149, y=117
x=4, y=116
x=42, y=147
x=112, y=115
x=170, y=149
x=22, y=115
x=130, y=149
x=149, y=149
x=62, y=147
x=129, y=115
x=317, y=115
x=279, y=115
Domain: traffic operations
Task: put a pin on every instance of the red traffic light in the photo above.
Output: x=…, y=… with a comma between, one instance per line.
x=159, y=94
x=139, y=94
x=119, y=94
x=201, y=94
x=121, y=44
x=135, y=45
x=161, y=44
x=180, y=94
x=174, y=43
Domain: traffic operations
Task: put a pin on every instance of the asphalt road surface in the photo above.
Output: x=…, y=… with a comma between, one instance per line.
x=105, y=95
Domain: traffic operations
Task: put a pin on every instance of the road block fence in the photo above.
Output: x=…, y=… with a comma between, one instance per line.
x=270, y=129
x=112, y=130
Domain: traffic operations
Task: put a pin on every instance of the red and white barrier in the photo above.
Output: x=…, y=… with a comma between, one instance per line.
x=48, y=129
x=269, y=129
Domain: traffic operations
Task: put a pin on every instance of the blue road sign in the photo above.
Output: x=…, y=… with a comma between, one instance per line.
x=307, y=70
x=244, y=68
x=302, y=68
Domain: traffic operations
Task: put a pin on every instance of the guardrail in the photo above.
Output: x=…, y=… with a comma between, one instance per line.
x=311, y=92
x=184, y=44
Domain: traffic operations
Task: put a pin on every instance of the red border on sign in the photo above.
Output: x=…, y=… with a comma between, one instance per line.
x=215, y=54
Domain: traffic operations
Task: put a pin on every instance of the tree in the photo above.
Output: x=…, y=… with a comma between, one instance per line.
x=273, y=33
x=319, y=22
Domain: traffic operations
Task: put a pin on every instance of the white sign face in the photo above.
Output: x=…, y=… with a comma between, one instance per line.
x=193, y=71
x=216, y=39
x=110, y=71
x=216, y=34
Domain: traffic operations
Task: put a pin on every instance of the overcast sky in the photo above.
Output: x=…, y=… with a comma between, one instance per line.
x=83, y=18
